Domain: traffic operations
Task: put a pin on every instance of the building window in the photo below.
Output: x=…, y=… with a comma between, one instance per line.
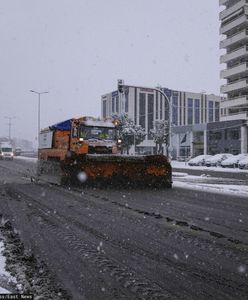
x=180, y=110
x=197, y=111
x=184, y=151
x=205, y=101
x=217, y=111
x=113, y=105
x=150, y=114
x=210, y=111
x=190, y=111
x=234, y=134
x=126, y=102
x=184, y=109
x=166, y=108
x=175, y=110
x=215, y=135
x=161, y=106
x=135, y=106
x=117, y=104
x=156, y=105
x=104, y=108
x=142, y=110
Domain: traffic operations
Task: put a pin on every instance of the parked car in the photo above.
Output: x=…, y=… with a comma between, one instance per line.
x=243, y=164
x=233, y=161
x=198, y=160
x=217, y=159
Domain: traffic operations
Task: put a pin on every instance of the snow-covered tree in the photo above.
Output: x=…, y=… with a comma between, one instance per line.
x=160, y=135
x=128, y=132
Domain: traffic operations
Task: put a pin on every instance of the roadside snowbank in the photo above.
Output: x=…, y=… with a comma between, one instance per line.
x=237, y=190
x=28, y=159
x=5, y=278
x=184, y=165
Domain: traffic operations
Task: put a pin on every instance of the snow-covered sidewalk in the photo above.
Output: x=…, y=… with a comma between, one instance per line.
x=237, y=190
x=208, y=183
x=184, y=165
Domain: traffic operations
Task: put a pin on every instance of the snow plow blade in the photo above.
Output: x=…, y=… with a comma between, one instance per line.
x=109, y=170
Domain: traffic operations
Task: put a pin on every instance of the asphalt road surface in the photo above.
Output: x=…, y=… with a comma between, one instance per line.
x=131, y=244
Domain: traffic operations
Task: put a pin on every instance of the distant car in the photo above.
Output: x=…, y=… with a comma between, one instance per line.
x=216, y=160
x=198, y=160
x=243, y=164
x=233, y=161
x=18, y=151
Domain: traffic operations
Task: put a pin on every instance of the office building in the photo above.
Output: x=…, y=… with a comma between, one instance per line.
x=190, y=112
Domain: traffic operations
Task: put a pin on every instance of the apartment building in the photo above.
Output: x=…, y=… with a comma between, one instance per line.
x=231, y=134
x=234, y=31
x=190, y=113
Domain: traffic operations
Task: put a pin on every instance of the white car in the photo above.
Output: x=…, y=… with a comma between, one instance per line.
x=217, y=159
x=233, y=161
x=243, y=164
x=198, y=160
x=6, y=152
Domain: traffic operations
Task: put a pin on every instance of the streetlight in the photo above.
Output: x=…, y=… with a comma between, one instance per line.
x=38, y=93
x=10, y=124
x=121, y=85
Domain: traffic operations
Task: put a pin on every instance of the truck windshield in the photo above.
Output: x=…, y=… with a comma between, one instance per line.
x=6, y=149
x=99, y=133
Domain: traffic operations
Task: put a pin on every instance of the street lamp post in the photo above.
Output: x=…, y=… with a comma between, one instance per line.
x=10, y=125
x=38, y=93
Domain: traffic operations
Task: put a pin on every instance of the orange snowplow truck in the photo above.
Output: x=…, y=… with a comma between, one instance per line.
x=86, y=151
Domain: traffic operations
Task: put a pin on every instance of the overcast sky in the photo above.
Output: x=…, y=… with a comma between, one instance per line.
x=77, y=49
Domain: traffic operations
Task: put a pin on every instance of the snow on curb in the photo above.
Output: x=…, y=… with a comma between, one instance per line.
x=237, y=190
x=28, y=159
x=184, y=165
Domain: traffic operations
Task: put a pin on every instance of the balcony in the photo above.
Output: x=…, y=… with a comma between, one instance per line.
x=237, y=85
x=242, y=51
x=222, y=2
x=241, y=68
x=237, y=37
x=237, y=101
x=241, y=20
x=231, y=117
x=229, y=11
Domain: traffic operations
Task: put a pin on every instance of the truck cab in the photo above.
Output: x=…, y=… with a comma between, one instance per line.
x=92, y=136
x=6, y=152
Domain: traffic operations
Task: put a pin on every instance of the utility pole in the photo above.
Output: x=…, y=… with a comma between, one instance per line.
x=9, y=125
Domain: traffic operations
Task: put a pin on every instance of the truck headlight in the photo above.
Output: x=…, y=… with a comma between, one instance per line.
x=119, y=141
